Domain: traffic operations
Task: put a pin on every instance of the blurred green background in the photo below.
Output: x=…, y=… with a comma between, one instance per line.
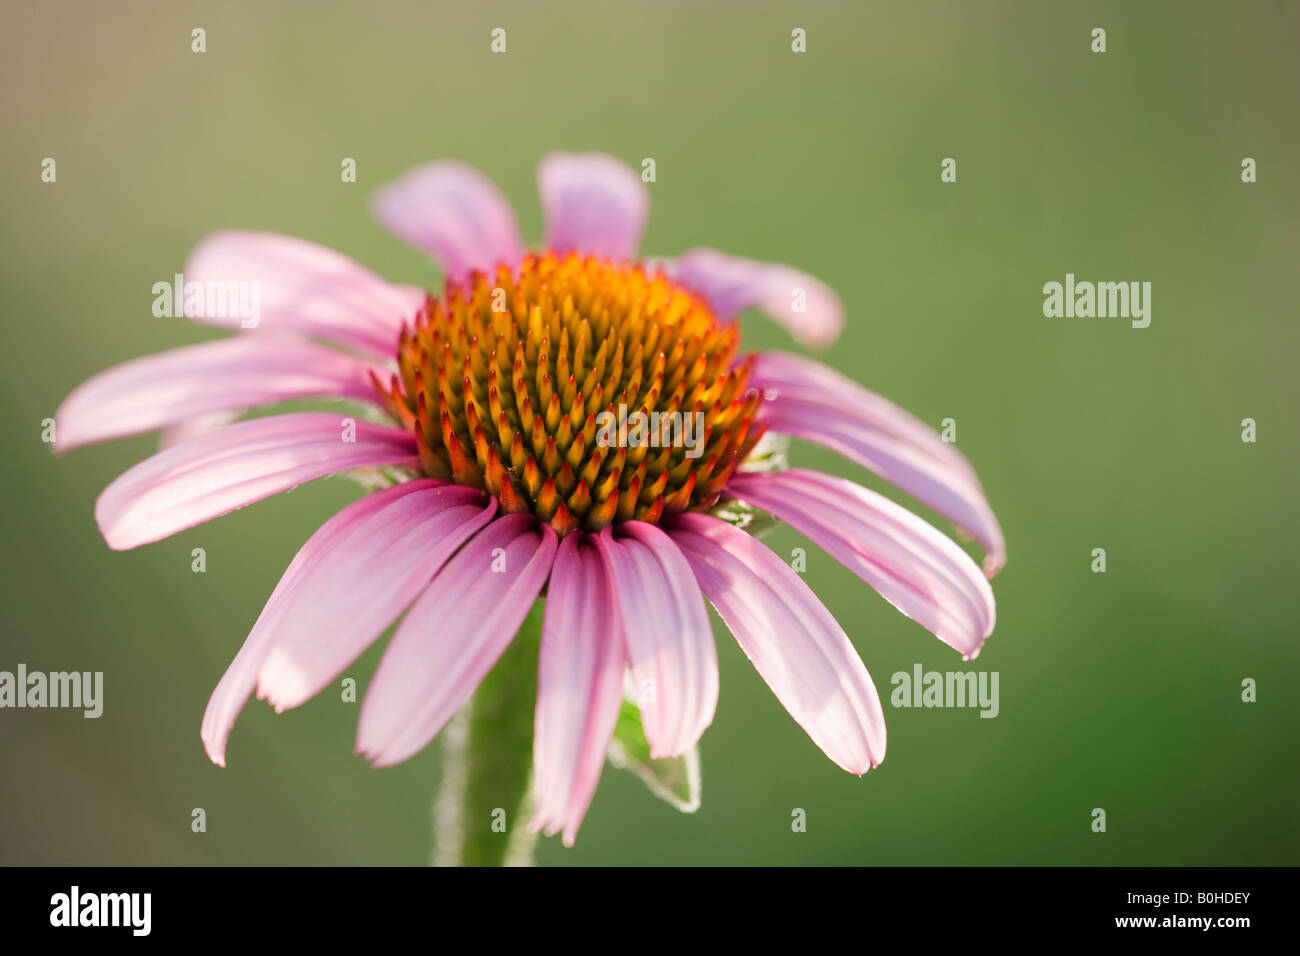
x=1118, y=690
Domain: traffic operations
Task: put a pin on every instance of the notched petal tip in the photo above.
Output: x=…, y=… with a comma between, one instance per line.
x=216, y=754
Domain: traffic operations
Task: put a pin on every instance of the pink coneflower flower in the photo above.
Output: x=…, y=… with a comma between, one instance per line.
x=487, y=399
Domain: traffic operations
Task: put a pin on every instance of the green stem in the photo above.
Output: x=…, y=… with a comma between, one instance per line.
x=481, y=813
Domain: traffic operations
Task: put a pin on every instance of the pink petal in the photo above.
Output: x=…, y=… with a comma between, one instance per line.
x=579, y=688
x=353, y=592
x=805, y=399
x=808, y=380
x=303, y=288
x=792, y=640
x=455, y=214
x=915, y=567
x=191, y=383
x=194, y=427
x=593, y=204
x=214, y=474
x=805, y=306
x=240, y=678
x=452, y=637
x=667, y=633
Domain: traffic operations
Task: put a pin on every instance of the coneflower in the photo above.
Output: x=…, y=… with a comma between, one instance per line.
x=486, y=406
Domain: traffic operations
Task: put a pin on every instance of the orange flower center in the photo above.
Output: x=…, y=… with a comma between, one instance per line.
x=579, y=390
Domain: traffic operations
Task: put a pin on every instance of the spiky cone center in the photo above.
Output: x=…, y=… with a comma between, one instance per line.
x=504, y=379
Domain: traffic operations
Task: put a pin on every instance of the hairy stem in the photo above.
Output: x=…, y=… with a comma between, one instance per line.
x=481, y=812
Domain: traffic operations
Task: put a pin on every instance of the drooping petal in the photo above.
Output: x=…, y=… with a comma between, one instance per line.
x=190, y=383
x=917, y=568
x=667, y=633
x=579, y=688
x=805, y=306
x=215, y=473
x=240, y=678
x=792, y=640
x=348, y=597
x=298, y=287
x=805, y=399
x=452, y=637
x=455, y=214
x=592, y=203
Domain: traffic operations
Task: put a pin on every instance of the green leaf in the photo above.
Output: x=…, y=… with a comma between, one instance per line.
x=743, y=515
x=768, y=455
x=675, y=780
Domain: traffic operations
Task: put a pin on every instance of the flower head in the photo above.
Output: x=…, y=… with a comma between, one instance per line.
x=504, y=402
x=511, y=384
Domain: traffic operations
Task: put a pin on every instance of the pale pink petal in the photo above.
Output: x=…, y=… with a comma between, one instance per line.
x=241, y=677
x=792, y=640
x=915, y=567
x=452, y=637
x=808, y=380
x=299, y=287
x=805, y=306
x=353, y=592
x=593, y=204
x=667, y=633
x=579, y=688
x=194, y=427
x=807, y=400
x=190, y=383
x=234, y=466
x=455, y=214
